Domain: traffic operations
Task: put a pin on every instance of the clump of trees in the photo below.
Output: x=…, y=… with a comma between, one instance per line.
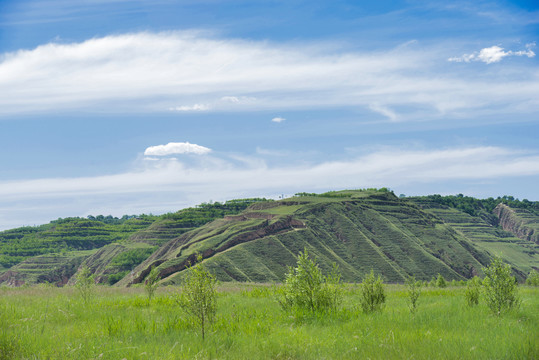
x=373, y=295
x=475, y=207
x=307, y=289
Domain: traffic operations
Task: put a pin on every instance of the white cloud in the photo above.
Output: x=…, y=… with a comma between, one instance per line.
x=393, y=167
x=391, y=115
x=175, y=148
x=195, y=107
x=493, y=54
x=278, y=119
x=189, y=71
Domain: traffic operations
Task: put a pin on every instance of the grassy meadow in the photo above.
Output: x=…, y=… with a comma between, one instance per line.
x=118, y=323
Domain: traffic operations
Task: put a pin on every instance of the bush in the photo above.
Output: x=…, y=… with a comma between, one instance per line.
x=151, y=283
x=533, y=278
x=472, y=291
x=199, y=297
x=85, y=284
x=440, y=281
x=373, y=295
x=306, y=288
x=413, y=292
x=500, y=287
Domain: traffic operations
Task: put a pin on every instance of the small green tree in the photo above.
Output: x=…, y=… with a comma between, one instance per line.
x=533, y=278
x=373, y=295
x=151, y=283
x=306, y=288
x=500, y=287
x=85, y=282
x=440, y=281
x=413, y=292
x=199, y=296
x=472, y=292
x=432, y=282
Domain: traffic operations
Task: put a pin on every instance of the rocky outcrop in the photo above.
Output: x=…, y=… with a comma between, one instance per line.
x=518, y=221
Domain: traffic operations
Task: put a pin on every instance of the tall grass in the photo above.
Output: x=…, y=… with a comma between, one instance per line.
x=51, y=323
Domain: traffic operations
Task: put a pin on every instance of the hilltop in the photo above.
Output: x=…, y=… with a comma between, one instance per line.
x=256, y=239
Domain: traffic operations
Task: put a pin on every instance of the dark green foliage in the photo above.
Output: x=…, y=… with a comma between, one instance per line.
x=413, y=291
x=199, y=297
x=475, y=206
x=129, y=259
x=307, y=289
x=373, y=294
x=500, y=287
x=114, y=278
x=472, y=292
x=533, y=278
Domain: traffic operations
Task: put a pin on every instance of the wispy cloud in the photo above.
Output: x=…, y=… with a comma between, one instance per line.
x=176, y=148
x=189, y=71
x=278, y=119
x=221, y=177
x=391, y=115
x=493, y=54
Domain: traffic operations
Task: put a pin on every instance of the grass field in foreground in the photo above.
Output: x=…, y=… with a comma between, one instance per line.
x=54, y=323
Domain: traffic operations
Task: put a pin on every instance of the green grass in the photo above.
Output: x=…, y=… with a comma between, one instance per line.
x=52, y=323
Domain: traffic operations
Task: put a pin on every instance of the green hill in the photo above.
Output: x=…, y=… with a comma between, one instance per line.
x=358, y=230
x=256, y=239
x=110, y=247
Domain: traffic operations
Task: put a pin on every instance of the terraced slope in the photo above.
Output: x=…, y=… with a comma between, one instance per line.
x=358, y=230
x=522, y=254
x=523, y=223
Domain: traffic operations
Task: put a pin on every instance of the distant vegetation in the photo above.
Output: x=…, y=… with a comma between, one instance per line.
x=474, y=207
x=76, y=233
x=344, y=193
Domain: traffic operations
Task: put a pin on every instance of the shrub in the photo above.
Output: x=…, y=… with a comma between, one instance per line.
x=413, y=292
x=432, y=282
x=151, y=283
x=85, y=282
x=440, y=281
x=500, y=287
x=373, y=295
x=306, y=288
x=199, y=297
x=472, y=291
x=533, y=278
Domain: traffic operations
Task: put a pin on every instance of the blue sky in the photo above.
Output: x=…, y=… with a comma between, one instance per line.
x=137, y=106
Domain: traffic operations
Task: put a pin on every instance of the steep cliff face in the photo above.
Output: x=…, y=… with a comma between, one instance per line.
x=520, y=222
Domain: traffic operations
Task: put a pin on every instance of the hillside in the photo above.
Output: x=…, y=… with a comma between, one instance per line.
x=358, y=230
x=487, y=232
x=256, y=239
x=110, y=247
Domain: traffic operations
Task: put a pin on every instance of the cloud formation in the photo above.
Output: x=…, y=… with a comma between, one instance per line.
x=493, y=54
x=278, y=119
x=166, y=184
x=176, y=148
x=195, y=107
x=190, y=71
